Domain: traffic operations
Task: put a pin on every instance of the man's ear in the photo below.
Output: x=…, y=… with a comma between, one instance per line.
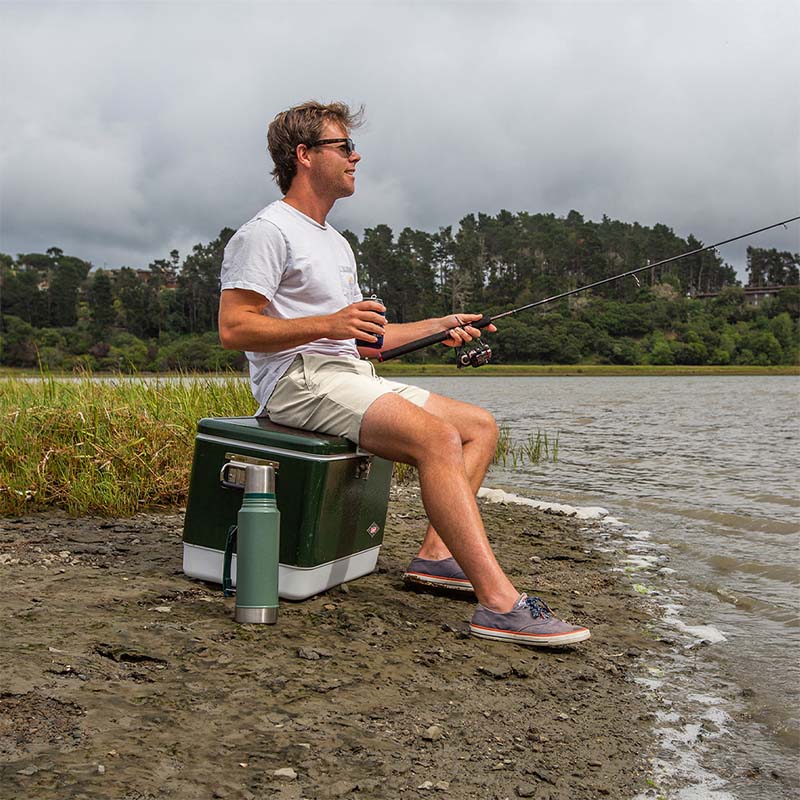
x=302, y=154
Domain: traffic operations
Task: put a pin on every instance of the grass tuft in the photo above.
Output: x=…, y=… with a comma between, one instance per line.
x=106, y=446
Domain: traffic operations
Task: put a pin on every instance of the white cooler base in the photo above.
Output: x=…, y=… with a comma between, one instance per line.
x=294, y=583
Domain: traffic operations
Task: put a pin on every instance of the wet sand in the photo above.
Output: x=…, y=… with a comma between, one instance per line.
x=122, y=678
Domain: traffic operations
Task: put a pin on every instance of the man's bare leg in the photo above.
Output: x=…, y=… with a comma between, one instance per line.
x=396, y=429
x=478, y=431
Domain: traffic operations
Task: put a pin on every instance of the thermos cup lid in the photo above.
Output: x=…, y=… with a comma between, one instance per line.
x=260, y=479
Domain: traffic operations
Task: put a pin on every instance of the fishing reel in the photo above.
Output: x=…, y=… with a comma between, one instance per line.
x=475, y=354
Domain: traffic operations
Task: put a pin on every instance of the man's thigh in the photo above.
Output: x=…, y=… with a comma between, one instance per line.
x=399, y=430
x=332, y=395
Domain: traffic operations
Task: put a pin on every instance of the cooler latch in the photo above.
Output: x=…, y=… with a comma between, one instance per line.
x=363, y=467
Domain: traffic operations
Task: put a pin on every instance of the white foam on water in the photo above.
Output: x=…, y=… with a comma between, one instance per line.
x=641, y=562
x=578, y=512
x=708, y=634
x=702, y=633
x=681, y=746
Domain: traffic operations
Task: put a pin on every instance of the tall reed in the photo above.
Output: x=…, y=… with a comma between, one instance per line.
x=537, y=447
x=111, y=446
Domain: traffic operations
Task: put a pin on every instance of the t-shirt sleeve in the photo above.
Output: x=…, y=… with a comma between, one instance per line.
x=255, y=259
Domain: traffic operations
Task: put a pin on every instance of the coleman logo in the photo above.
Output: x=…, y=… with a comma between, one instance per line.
x=373, y=529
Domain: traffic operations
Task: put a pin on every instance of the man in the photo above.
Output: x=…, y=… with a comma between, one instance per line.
x=290, y=298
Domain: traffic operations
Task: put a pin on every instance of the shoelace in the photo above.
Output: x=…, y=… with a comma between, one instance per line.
x=538, y=607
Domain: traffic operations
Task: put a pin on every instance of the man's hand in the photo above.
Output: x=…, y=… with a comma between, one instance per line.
x=461, y=331
x=362, y=320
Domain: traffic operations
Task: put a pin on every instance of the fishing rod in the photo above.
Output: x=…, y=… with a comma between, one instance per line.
x=481, y=356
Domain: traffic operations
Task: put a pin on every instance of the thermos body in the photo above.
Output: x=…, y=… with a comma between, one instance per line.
x=258, y=549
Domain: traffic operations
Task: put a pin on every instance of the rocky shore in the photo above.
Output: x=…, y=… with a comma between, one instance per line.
x=121, y=678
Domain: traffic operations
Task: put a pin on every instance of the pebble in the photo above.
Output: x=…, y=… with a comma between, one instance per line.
x=433, y=734
x=340, y=788
x=285, y=773
x=101, y=770
x=526, y=790
x=498, y=673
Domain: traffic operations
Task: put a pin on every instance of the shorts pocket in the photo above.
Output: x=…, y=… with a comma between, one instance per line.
x=308, y=373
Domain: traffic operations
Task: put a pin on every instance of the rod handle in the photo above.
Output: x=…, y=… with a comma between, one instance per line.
x=434, y=338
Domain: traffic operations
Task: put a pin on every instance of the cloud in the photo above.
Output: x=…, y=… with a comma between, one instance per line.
x=132, y=129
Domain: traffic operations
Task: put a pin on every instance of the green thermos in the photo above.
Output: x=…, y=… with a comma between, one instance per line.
x=257, y=547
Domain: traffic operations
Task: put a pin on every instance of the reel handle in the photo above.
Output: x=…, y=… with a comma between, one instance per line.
x=434, y=338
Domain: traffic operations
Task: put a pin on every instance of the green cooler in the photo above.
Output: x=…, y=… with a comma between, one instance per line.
x=331, y=495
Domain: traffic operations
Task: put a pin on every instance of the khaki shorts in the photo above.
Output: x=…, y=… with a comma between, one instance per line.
x=331, y=394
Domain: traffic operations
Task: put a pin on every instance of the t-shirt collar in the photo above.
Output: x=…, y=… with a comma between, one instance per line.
x=300, y=214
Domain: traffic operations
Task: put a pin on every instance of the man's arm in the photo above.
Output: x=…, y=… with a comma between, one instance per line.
x=243, y=326
x=397, y=334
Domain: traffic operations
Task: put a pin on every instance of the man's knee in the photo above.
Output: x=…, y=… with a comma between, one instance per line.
x=442, y=438
x=483, y=426
x=436, y=441
x=487, y=424
x=431, y=439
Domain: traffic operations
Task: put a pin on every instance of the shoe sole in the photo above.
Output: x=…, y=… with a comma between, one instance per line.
x=422, y=579
x=530, y=639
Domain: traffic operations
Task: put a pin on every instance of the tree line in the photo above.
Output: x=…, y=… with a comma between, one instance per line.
x=56, y=310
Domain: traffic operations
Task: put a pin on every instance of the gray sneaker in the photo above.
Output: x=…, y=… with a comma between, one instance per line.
x=530, y=622
x=446, y=574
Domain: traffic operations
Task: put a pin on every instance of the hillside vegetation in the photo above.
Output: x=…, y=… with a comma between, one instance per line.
x=59, y=312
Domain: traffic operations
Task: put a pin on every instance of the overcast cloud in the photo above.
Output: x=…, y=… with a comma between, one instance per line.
x=129, y=129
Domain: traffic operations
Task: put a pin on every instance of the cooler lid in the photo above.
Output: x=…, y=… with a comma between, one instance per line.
x=259, y=430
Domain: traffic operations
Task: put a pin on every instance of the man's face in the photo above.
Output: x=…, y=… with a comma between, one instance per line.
x=333, y=170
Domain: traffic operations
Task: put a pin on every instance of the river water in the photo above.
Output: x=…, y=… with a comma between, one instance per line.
x=703, y=476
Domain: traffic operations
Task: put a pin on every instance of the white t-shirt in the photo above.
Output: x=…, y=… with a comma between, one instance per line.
x=304, y=269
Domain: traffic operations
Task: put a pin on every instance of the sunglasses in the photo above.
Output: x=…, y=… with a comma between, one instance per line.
x=347, y=145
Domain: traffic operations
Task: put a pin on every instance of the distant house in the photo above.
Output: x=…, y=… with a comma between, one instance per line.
x=754, y=295
x=170, y=280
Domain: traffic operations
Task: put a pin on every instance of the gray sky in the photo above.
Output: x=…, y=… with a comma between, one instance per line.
x=132, y=128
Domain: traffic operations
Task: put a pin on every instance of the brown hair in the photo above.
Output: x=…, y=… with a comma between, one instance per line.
x=303, y=125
